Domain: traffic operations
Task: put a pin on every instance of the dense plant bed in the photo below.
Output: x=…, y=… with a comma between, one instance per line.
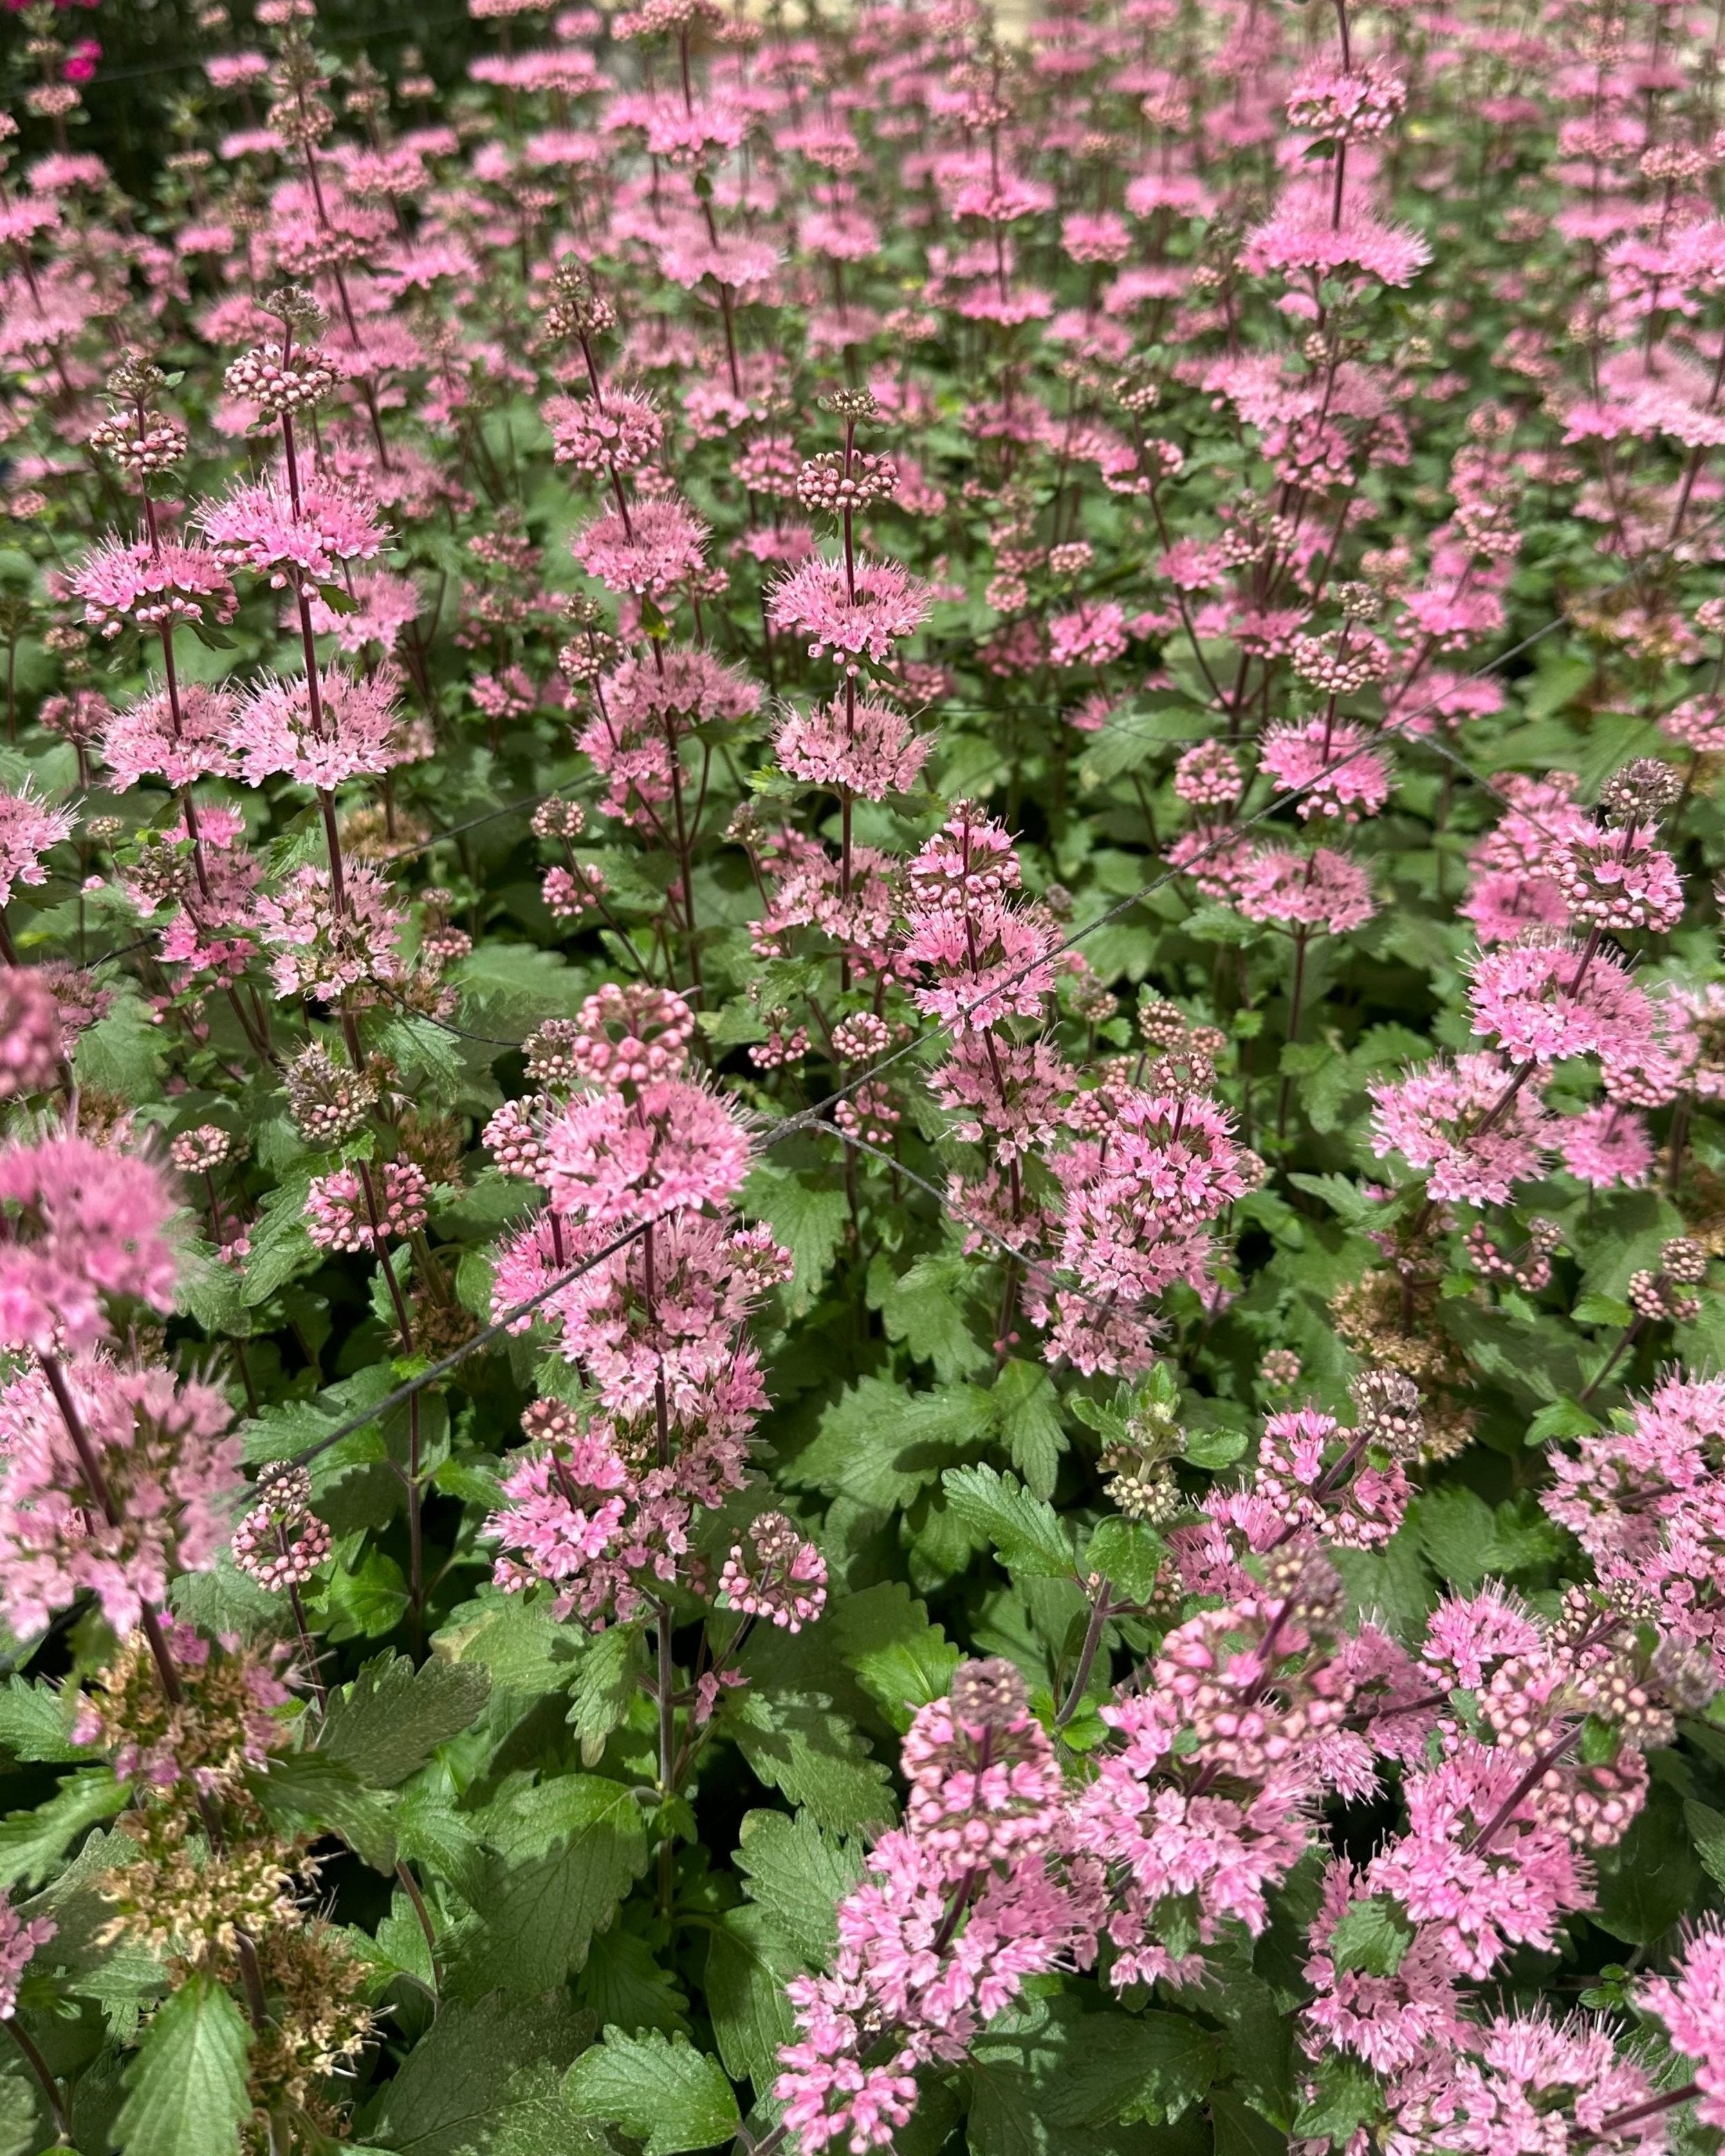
x=861, y=1032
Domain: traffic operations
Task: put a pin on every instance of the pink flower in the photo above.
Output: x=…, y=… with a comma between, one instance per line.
x=1528, y=2086
x=1648, y=1506
x=867, y=747
x=342, y=1213
x=1322, y=889
x=777, y=1575
x=169, y=1466
x=1330, y=765
x=151, y=587
x=257, y=527
x=1300, y=238
x=813, y=601
x=85, y=1222
x=1606, y=1146
x=1337, y=106
x=1620, y=880
x=143, y=740
x=1691, y=2004
x=1091, y=635
x=617, y=435
x=28, y=829
x=19, y=1942
x=1436, y=1120
x=355, y=732
x=1101, y=236
x=319, y=951
x=1540, y=1003
x=664, y=545
x=1387, y=2021
x=608, y=1159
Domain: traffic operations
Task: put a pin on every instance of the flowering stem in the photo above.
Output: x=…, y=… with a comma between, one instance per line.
x=1650, y=2109
x=50, y=2087
x=1100, y=1613
x=1625, y=1339
x=1296, y=997
x=1529, y=1782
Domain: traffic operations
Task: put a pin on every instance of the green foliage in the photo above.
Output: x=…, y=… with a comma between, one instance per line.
x=388, y=1722
x=561, y=1856
x=662, y=2091
x=186, y=2089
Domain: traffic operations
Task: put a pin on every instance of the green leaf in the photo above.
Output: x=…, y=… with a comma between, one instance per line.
x=121, y=1053
x=1603, y=1309
x=514, y=1637
x=315, y=1790
x=901, y=1659
x=389, y=1721
x=487, y=2080
x=1344, y=1198
x=1026, y=1409
x=806, y=1217
x=1706, y=1829
x=1130, y=2066
x=1241, y=2132
x=281, y=1249
x=798, y=1875
x=663, y=2093
x=606, y=1682
x=367, y=1602
x=186, y=2090
x=795, y=1743
x=749, y=1961
x=1372, y=1936
x=1025, y=1532
x=622, y=1983
x=34, y=1719
x=32, y=1843
x=883, y=1445
x=926, y=1308
x=565, y=1854
x=1648, y=1880
x=1129, y=1556
x=1346, y=2094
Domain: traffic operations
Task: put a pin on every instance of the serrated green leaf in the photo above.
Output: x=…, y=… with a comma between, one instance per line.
x=1346, y=2094
x=1027, y=1413
x=1125, y=2067
x=806, y=1216
x=1372, y=1936
x=797, y=1873
x=623, y=1985
x=749, y=1963
x=317, y=1790
x=1025, y=1532
x=186, y=2090
x=901, y=1659
x=606, y=1682
x=927, y=1309
x=661, y=2092
x=795, y=1743
x=1648, y=1880
x=1706, y=1830
x=34, y=1719
x=487, y=2080
x=1129, y=1554
x=32, y=1843
x=389, y=1721
x=882, y=1444
x=564, y=1855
